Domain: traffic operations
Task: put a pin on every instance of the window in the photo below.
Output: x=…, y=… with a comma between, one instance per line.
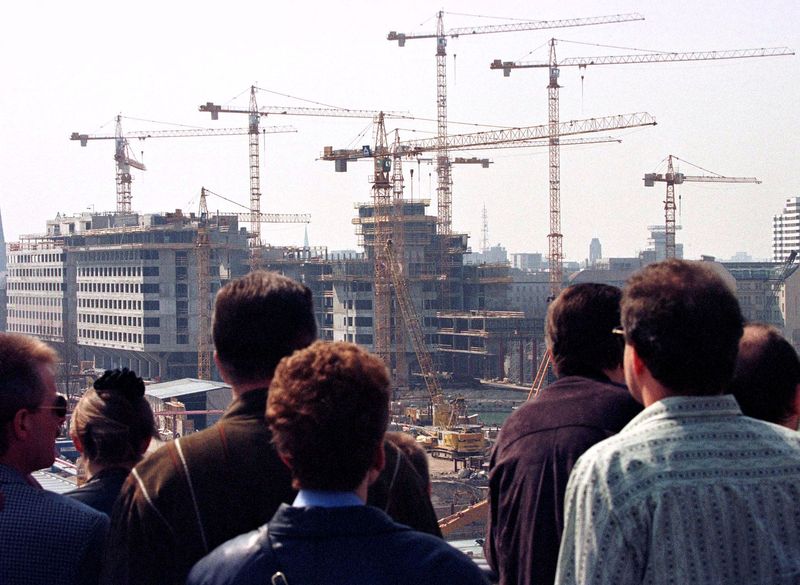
x=150, y=288
x=152, y=339
x=151, y=306
x=152, y=321
x=150, y=271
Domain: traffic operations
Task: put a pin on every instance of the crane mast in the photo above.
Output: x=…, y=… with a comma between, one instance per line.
x=671, y=178
x=555, y=238
x=203, y=293
x=381, y=198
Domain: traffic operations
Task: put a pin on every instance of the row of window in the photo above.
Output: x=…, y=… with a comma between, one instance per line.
x=359, y=321
x=38, y=315
x=95, y=271
x=104, y=319
x=32, y=329
x=36, y=286
x=363, y=305
x=118, y=336
x=36, y=272
x=117, y=256
x=35, y=258
x=119, y=287
x=36, y=301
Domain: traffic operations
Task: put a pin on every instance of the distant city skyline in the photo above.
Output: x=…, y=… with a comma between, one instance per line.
x=735, y=118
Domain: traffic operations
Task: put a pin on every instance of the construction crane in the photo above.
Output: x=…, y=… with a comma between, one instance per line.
x=125, y=159
x=671, y=178
x=389, y=269
x=555, y=237
x=444, y=180
x=444, y=196
x=521, y=136
x=254, y=114
x=382, y=159
x=203, y=292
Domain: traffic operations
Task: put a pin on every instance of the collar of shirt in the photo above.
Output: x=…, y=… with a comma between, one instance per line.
x=676, y=407
x=325, y=499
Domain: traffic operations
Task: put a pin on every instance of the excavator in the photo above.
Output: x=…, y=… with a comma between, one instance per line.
x=449, y=436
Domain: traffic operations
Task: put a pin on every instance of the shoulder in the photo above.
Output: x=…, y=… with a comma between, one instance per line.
x=70, y=512
x=436, y=561
x=241, y=560
x=573, y=401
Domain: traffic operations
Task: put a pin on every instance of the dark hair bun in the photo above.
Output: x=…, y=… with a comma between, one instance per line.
x=124, y=382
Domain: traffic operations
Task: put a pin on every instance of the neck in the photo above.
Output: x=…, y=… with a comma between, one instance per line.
x=93, y=469
x=238, y=389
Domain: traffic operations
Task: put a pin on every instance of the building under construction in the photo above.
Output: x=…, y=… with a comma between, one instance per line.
x=124, y=290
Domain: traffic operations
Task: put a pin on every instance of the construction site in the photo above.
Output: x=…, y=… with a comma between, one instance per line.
x=136, y=290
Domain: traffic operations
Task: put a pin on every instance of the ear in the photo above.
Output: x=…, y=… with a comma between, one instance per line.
x=21, y=424
x=638, y=364
x=222, y=372
x=76, y=440
x=287, y=461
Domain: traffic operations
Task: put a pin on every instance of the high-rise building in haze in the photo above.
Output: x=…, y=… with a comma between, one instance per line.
x=786, y=230
x=595, y=251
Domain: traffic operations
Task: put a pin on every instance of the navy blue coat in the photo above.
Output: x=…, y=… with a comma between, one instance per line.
x=354, y=545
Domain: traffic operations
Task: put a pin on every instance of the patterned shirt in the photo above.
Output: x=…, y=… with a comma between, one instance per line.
x=46, y=538
x=690, y=491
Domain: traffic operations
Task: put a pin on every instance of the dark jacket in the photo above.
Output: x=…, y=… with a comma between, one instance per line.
x=530, y=465
x=354, y=545
x=401, y=492
x=195, y=493
x=101, y=491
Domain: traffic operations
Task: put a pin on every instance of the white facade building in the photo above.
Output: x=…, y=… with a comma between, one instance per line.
x=786, y=230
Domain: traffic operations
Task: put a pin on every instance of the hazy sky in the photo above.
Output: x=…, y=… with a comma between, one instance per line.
x=73, y=66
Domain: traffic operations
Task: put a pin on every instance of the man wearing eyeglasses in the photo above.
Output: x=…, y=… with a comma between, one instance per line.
x=45, y=538
x=691, y=490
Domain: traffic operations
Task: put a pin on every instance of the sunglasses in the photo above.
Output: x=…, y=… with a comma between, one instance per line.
x=59, y=406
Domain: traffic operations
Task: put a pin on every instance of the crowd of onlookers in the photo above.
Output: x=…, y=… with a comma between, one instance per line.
x=667, y=451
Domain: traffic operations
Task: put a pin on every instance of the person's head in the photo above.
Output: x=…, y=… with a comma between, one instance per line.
x=112, y=423
x=414, y=452
x=259, y=319
x=579, y=330
x=683, y=323
x=31, y=412
x=766, y=382
x=328, y=408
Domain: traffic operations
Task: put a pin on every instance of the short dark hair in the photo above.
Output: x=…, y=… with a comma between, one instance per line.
x=684, y=323
x=113, y=419
x=20, y=383
x=579, y=330
x=328, y=408
x=259, y=319
x=767, y=374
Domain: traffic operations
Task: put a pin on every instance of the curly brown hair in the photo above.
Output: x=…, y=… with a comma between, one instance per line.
x=328, y=409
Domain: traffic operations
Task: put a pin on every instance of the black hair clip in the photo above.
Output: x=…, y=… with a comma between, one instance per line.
x=123, y=381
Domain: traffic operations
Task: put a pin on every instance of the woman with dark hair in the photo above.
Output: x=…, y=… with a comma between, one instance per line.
x=111, y=427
